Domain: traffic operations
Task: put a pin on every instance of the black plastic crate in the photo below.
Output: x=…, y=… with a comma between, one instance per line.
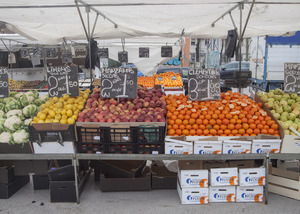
x=50, y=132
x=24, y=148
x=62, y=191
x=132, y=140
x=7, y=190
x=40, y=182
x=7, y=174
x=65, y=173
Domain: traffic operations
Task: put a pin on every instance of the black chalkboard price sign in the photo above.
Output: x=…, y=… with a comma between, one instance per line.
x=292, y=77
x=166, y=51
x=3, y=82
x=103, y=53
x=119, y=83
x=204, y=84
x=144, y=52
x=62, y=80
x=123, y=56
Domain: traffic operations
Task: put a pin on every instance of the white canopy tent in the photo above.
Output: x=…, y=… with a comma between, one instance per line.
x=51, y=21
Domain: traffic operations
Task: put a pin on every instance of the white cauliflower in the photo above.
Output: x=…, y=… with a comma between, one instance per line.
x=27, y=122
x=13, y=123
x=21, y=136
x=13, y=113
x=6, y=137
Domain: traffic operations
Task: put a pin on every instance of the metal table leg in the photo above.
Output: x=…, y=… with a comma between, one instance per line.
x=267, y=160
x=76, y=179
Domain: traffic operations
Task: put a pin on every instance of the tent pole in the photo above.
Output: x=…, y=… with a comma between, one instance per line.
x=87, y=9
x=240, y=45
x=81, y=19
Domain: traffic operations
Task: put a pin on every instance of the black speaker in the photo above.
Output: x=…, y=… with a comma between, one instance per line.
x=231, y=40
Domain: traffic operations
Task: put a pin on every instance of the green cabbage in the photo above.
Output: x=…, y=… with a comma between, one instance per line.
x=26, y=99
x=30, y=110
x=11, y=105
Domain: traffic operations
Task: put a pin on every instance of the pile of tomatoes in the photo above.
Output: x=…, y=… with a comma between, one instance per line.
x=233, y=115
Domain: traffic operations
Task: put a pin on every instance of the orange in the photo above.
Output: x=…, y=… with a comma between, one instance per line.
x=212, y=131
x=212, y=122
x=205, y=121
x=185, y=132
x=202, y=127
x=241, y=131
x=192, y=121
x=252, y=126
x=234, y=132
x=226, y=121
x=185, y=122
x=206, y=132
x=232, y=121
x=228, y=116
x=256, y=131
x=249, y=131
x=231, y=126
x=199, y=132
x=194, y=115
x=223, y=127
x=178, y=132
x=171, y=122
x=220, y=132
x=175, y=126
x=193, y=132
x=178, y=121
x=219, y=122
x=171, y=132
x=227, y=132
x=238, y=126
x=260, y=126
x=216, y=127
x=215, y=116
x=188, y=126
x=271, y=131
x=208, y=116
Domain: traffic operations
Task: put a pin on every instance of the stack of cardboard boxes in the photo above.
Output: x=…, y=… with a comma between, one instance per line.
x=199, y=184
x=215, y=145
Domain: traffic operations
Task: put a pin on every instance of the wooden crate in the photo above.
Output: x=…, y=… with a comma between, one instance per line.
x=284, y=182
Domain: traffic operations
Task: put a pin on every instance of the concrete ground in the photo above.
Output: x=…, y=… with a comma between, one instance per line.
x=27, y=201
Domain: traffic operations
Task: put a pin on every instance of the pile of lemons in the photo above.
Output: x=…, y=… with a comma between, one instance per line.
x=62, y=110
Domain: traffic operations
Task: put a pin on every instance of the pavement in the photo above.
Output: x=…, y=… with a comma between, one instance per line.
x=93, y=200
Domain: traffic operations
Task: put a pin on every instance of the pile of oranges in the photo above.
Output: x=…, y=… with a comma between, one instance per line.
x=168, y=79
x=146, y=81
x=233, y=115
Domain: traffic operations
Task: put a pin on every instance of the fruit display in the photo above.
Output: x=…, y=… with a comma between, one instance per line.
x=284, y=107
x=16, y=113
x=168, y=79
x=22, y=84
x=149, y=106
x=63, y=110
x=146, y=81
x=233, y=115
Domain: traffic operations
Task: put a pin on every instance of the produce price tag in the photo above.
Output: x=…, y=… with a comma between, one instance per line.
x=144, y=52
x=204, y=84
x=66, y=57
x=292, y=77
x=3, y=82
x=166, y=51
x=123, y=56
x=103, y=53
x=62, y=80
x=119, y=83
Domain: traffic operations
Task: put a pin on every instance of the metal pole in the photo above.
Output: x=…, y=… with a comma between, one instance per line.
x=240, y=45
x=81, y=19
x=95, y=22
x=74, y=160
x=267, y=179
x=90, y=48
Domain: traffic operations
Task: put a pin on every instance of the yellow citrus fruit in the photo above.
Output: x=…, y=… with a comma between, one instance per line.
x=69, y=113
x=74, y=117
x=55, y=121
x=58, y=117
x=63, y=121
x=41, y=121
x=71, y=120
x=51, y=113
x=64, y=117
x=41, y=115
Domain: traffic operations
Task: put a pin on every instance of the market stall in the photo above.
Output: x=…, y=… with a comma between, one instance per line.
x=119, y=120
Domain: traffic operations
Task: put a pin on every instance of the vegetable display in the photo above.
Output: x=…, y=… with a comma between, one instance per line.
x=63, y=110
x=233, y=115
x=284, y=107
x=149, y=106
x=15, y=115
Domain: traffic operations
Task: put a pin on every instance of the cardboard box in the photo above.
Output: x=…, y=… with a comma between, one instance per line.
x=236, y=147
x=290, y=144
x=192, y=195
x=224, y=177
x=193, y=178
x=173, y=147
x=252, y=177
x=222, y=194
x=207, y=147
x=263, y=146
x=250, y=194
x=192, y=174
